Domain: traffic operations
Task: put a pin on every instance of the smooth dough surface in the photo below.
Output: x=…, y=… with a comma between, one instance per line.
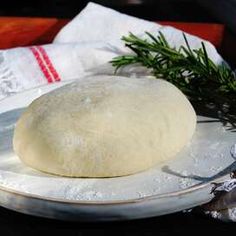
x=104, y=126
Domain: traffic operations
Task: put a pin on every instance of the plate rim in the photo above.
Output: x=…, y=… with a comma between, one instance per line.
x=107, y=202
x=118, y=202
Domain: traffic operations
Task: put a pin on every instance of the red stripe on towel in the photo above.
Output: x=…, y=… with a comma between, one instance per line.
x=49, y=63
x=41, y=64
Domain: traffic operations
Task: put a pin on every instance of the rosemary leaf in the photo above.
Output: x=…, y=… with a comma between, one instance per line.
x=191, y=70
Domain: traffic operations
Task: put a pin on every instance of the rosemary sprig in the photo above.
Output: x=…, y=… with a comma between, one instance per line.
x=191, y=70
x=186, y=68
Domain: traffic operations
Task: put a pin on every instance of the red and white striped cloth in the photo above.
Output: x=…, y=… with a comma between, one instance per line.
x=45, y=64
x=84, y=46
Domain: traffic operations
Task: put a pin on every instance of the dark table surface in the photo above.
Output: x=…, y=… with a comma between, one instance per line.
x=13, y=223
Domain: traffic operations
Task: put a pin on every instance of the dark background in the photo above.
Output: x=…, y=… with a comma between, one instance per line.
x=221, y=11
x=179, y=224
x=159, y=9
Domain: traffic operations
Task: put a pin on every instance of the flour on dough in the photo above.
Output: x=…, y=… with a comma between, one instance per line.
x=104, y=126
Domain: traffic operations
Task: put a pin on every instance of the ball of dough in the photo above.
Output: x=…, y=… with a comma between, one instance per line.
x=104, y=126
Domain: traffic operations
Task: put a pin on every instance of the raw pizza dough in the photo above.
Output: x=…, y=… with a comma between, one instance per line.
x=104, y=126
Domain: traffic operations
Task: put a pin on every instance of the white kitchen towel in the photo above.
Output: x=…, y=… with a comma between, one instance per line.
x=84, y=46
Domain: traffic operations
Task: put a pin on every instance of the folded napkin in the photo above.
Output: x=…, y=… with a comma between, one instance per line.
x=83, y=47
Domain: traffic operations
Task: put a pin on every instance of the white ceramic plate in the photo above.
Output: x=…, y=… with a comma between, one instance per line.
x=176, y=185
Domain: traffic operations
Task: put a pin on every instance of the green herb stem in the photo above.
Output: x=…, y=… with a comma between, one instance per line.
x=191, y=70
x=183, y=67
